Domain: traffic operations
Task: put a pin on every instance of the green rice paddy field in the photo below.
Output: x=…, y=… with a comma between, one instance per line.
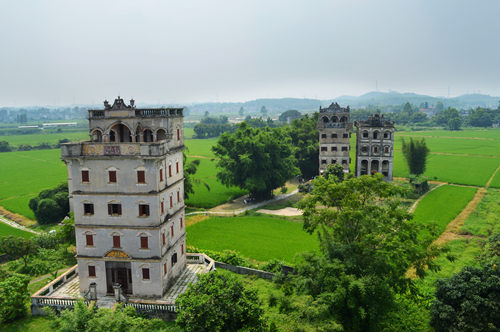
x=261, y=238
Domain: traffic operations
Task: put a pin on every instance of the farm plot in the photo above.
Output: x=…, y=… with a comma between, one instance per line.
x=258, y=237
x=200, y=147
x=218, y=193
x=442, y=205
x=6, y=230
x=466, y=170
x=24, y=174
x=486, y=146
x=50, y=138
x=485, y=220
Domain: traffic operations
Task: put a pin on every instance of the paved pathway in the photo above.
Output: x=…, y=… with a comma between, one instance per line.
x=14, y=224
x=248, y=207
x=187, y=277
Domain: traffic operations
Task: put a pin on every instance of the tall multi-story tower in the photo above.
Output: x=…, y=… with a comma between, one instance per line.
x=334, y=132
x=375, y=146
x=127, y=193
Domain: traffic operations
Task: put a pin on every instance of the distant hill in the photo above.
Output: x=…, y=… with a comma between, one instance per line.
x=375, y=98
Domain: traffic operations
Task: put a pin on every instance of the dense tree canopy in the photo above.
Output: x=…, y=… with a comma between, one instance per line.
x=219, y=302
x=415, y=152
x=14, y=296
x=368, y=242
x=468, y=301
x=289, y=115
x=18, y=247
x=51, y=205
x=259, y=160
x=305, y=144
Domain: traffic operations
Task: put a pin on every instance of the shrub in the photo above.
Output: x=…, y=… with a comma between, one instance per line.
x=14, y=296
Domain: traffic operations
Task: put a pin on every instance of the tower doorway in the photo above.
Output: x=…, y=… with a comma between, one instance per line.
x=120, y=273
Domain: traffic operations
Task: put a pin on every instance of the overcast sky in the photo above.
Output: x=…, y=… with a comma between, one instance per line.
x=59, y=52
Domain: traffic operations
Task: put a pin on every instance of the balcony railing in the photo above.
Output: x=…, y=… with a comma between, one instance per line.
x=89, y=148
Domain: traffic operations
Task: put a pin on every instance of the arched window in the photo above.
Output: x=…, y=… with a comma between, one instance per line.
x=335, y=119
x=325, y=119
x=365, y=134
x=148, y=135
x=161, y=135
x=120, y=133
x=96, y=136
x=375, y=134
x=375, y=166
x=387, y=135
x=364, y=167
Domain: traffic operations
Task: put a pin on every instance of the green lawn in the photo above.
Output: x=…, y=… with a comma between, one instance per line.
x=495, y=183
x=9, y=230
x=218, y=194
x=28, y=324
x=200, y=147
x=442, y=205
x=258, y=237
x=25, y=173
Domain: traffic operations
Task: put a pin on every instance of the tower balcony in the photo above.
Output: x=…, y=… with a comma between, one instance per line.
x=99, y=149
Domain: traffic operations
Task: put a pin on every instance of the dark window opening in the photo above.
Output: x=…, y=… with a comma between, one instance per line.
x=323, y=135
x=334, y=135
x=85, y=176
x=141, y=177
x=114, y=209
x=91, y=271
x=145, y=274
x=116, y=241
x=324, y=148
x=334, y=148
x=345, y=135
x=375, y=135
x=143, y=210
x=112, y=176
x=323, y=161
x=144, y=242
x=90, y=240
x=344, y=148
x=365, y=134
x=174, y=259
x=88, y=208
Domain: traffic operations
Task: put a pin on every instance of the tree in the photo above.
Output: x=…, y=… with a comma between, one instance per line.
x=415, y=152
x=83, y=318
x=259, y=160
x=368, y=241
x=4, y=146
x=335, y=170
x=14, y=296
x=289, y=116
x=454, y=124
x=304, y=136
x=18, y=247
x=439, y=106
x=51, y=205
x=468, y=301
x=219, y=302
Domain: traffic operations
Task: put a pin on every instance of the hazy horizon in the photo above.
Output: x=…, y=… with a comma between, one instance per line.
x=161, y=52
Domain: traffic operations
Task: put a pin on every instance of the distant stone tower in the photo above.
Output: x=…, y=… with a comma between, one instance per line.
x=126, y=189
x=334, y=132
x=375, y=146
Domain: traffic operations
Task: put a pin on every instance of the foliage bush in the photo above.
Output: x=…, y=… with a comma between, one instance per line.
x=219, y=302
x=51, y=205
x=14, y=296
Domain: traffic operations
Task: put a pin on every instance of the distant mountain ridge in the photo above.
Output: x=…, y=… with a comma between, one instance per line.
x=374, y=98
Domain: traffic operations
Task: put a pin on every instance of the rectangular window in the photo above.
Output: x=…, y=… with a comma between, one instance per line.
x=143, y=210
x=172, y=231
x=344, y=148
x=182, y=249
x=141, y=177
x=178, y=134
x=177, y=167
x=169, y=171
x=90, y=240
x=112, y=176
x=324, y=148
x=181, y=223
x=162, y=207
x=334, y=135
x=323, y=135
x=161, y=175
x=334, y=148
x=91, y=271
x=114, y=209
x=178, y=197
x=88, y=209
x=323, y=161
x=116, y=241
x=163, y=238
x=345, y=136
x=165, y=268
x=171, y=202
x=85, y=176
x=145, y=274
x=144, y=242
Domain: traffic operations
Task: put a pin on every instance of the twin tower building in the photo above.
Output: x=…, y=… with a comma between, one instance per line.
x=374, y=142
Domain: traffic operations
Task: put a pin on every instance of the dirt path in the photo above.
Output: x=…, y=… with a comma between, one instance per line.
x=14, y=224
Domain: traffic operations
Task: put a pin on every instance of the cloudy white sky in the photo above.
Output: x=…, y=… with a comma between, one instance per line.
x=59, y=52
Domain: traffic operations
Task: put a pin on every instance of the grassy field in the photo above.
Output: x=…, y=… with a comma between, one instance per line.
x=485, y=220
x=442, y=205
x=218, y=194
x=261, y=237
x=28, y=324
x=51, y=138
x=25, y=173
x=200, y=147
x=495, y=183
x=8, y=230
